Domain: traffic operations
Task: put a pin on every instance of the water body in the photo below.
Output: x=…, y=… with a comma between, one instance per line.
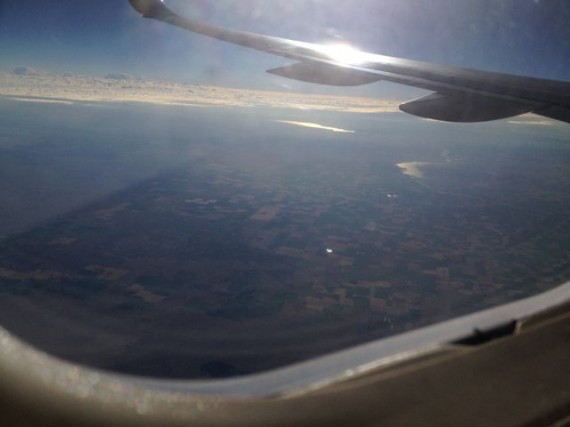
x=198, y=243
x=413, y=169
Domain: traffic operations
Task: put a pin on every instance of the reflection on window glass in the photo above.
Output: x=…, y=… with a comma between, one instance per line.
x=169, y=209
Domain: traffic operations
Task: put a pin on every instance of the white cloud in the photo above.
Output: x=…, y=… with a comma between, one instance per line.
x=119, y=87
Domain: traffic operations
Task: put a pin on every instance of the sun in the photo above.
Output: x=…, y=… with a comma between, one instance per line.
x=343, y=53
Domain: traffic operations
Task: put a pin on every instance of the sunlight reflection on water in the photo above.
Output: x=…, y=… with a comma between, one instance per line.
x=315, y=126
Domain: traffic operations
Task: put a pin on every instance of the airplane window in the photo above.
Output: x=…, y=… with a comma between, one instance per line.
x=170, y=209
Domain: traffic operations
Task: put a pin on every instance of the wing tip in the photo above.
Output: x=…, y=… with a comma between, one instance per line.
x=147, y=8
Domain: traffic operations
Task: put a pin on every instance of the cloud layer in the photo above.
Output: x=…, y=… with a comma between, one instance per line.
x=26, y=71
x=118, y=87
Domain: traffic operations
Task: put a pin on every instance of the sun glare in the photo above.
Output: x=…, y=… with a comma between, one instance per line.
x=344, y=54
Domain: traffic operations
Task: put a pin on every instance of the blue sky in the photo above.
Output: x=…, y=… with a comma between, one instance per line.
x=104, y=36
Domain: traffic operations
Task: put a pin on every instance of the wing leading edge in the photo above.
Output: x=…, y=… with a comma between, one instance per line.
x=459, y=94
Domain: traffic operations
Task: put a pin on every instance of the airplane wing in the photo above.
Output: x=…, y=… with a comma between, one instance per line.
x=459, y=94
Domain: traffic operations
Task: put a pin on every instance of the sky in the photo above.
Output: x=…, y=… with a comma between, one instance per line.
x=106, y=36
